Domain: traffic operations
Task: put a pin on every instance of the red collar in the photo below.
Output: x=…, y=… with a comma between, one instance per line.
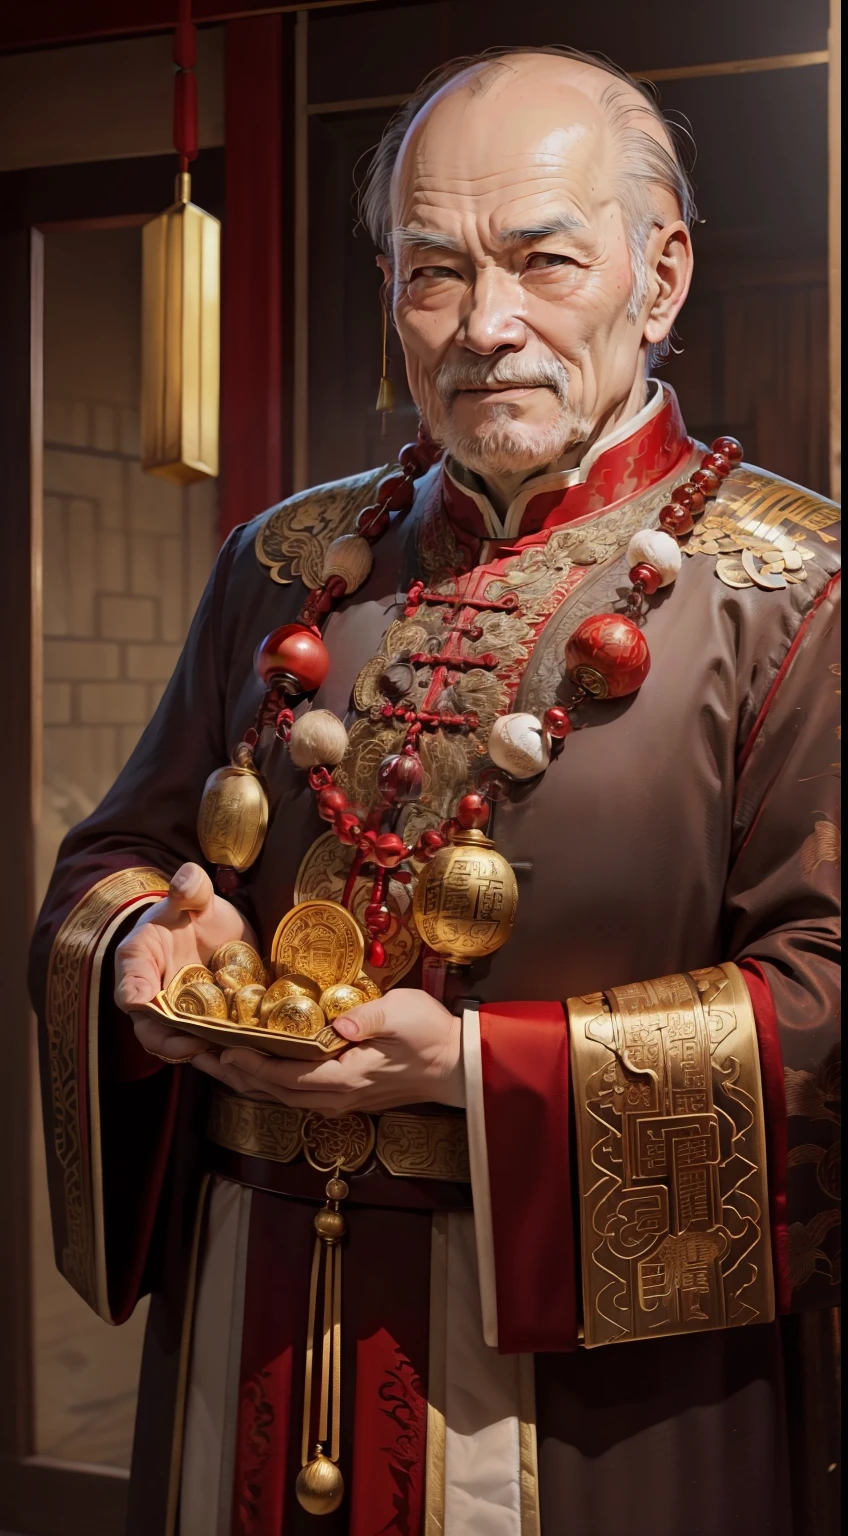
x=614, y=475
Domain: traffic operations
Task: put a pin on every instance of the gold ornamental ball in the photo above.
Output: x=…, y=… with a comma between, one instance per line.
x=297, y=1016
x=201, y=999
x=319, y=1486
x=237, y=956
x=465, y=900
x=244, y=1006
x=339, y=999
x=282, y=990
x=330, y=1225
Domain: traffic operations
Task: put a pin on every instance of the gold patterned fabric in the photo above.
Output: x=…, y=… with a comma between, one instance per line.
x=672, y=1167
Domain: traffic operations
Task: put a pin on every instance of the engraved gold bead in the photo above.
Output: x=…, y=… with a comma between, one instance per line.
x=330, y=1225
x=465, y=900
x=319, y=1486
x=245, y=1003
x=201, y=999
x=236, y=955
x=298, y=1016
x=233, y=817
x=339, y=999
x=284, y=988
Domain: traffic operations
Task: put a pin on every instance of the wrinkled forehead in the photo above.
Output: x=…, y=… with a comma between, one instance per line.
x=518, y=138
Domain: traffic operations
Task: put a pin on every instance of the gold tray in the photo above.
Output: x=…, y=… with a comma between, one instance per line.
x=328, y=1042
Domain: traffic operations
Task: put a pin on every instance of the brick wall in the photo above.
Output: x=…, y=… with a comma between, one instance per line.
x=126, y=556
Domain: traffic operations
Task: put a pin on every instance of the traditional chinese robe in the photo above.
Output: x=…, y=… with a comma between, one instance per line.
x=686, y=826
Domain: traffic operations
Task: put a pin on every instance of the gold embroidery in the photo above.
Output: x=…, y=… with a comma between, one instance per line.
x=823, y=846
x=670, y=1130
x=294, y=537
x=424, y=1146
x=72, y=948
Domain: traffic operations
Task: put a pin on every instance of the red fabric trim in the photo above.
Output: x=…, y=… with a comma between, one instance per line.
x=251, y=319
x=777, y=1135
x=526, y=1098
x=782, y=671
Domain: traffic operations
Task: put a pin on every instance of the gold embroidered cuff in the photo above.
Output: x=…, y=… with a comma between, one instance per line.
x=671, y=1153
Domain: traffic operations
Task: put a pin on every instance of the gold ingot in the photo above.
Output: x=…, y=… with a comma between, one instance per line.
x=180, y=347
x=284, y=988
x=319, y=939
x=319, y=1486
x=245, y=1004
x=340, y=999
x=185, y=977
x=231, y=982
x=238, y=956
x=465, y=900
x=233, y=817
x=297, y=1016
x=201, y=1000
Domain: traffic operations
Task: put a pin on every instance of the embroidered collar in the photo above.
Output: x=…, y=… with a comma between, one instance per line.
x=627, y=461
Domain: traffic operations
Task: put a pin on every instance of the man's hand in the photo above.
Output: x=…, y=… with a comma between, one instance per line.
x=405, y=1049
x=185, y=928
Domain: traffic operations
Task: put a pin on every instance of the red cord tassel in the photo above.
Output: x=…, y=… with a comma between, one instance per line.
x=185, y=87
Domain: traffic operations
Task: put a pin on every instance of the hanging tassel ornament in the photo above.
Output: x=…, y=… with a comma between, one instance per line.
x=385, y=394
x=181, y=306
x=320, y=1485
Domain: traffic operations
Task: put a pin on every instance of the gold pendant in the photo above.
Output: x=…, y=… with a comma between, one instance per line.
x=233, y=817
x=322, y=876
x=321, y=940
x=466, y=899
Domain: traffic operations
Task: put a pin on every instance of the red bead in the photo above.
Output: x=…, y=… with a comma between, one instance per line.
x=676, y=520
x=556, y=721
x=690, y=496
x=227, y=880
x=400, y=777
x=608, y=656
x=428, y=844
x=706, y=480
x=648, y=578
x=413, y=459
x=729, y=448
x=376, y=955
x=390, y=850
x=347, y=827
x=330, y=803
x=450, y=828
x=716, y=462
x=396, y=491
x=366, y=843
x=472, y=811
x=372, y=522
x=295, y=652
x=377, y=919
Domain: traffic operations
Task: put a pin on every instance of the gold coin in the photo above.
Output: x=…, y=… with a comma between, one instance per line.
x=185, y=977
x=298, y=1016
x=769, y=583
x=244, y=1005
x=730, y=571
x=792, y=560
x=340, y=999
x=238, y=956
x=285, y=987
x=201, y=1000
x=319, y=939
x=367, y=987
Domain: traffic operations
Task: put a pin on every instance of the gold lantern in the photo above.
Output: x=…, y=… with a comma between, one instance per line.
x=465, y=900
x=180, y=349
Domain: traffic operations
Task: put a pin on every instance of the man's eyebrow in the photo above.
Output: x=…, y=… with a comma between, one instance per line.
x=424, y=239
x=560, y=224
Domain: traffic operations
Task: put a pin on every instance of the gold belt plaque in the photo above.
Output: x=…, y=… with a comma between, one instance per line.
x=672, y=1163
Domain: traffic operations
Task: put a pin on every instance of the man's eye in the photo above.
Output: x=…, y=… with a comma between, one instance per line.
x=542, y=260
x=437, y=272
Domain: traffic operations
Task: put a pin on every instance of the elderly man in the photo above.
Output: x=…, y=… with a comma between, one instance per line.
x=542, y=724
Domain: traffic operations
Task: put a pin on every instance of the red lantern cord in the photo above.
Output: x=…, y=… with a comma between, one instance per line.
x=185, y=87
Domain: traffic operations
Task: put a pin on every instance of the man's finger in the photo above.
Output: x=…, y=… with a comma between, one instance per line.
x=322, y=1076
x=190, y=889
x=366, y=1021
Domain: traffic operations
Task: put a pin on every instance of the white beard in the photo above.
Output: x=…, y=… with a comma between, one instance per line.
x=503, y=445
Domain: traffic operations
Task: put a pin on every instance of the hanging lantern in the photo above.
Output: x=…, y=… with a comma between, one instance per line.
x=181, y=307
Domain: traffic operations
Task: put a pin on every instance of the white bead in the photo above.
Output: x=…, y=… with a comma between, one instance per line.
x=318, y=738
x=349, y=557
x=655, y=547
x=520, y=745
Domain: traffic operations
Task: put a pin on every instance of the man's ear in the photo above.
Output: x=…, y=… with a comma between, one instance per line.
x=385, y=266
x=673, y=265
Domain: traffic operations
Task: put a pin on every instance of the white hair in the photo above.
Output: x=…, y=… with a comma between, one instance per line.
x=643, y=164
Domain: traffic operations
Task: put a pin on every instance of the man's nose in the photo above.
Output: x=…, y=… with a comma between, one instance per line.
x=489, y=321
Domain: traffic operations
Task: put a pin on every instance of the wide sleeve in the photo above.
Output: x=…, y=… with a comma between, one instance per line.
x=683, y=1130
x=109, y=1108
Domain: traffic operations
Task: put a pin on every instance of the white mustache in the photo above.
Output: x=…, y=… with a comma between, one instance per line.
x=511, y=370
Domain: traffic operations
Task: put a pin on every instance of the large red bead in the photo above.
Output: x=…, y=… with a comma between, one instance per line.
x=396, y=491
x=294, y=652
x=472, y=811
x=717, y=463
x=676, y=520
x=706, y=480
x=730, y=448
x=389, y=850
x=608, y=656
x=376, y=955
x=330, y=803
x=399, y=778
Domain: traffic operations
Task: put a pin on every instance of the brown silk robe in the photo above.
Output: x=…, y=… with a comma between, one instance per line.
x=690, y=824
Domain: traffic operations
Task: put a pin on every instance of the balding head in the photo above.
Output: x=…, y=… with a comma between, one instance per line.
x=526, y=205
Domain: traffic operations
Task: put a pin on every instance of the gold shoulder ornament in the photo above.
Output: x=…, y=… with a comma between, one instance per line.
x=672, y=1159
x=293, y=539
x=762, y=531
